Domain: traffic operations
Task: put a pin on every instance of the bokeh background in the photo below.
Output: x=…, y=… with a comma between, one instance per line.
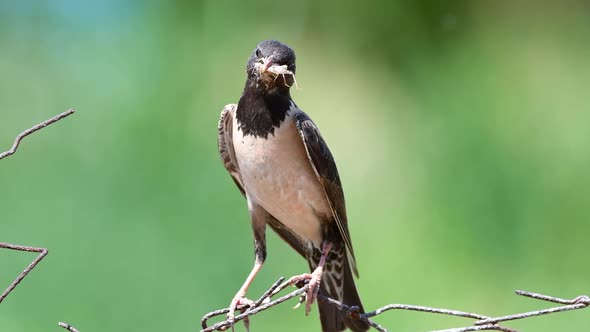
x=461, y=131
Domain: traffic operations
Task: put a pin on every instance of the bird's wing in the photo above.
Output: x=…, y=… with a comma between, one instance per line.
x=226, y=146
x=325, y=169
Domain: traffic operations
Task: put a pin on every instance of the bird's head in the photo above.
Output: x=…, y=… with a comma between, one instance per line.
x=272, y=66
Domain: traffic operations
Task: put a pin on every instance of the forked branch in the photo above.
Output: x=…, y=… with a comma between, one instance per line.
x=42, y=253
x=482, y=323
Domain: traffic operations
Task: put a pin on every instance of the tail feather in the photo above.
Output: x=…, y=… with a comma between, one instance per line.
x=330, y=317
x=351, y=298
x=338, y=283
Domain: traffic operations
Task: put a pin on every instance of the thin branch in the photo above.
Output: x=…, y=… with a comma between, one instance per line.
x=221, y=326
x=573, y=304
x=67, y=327
x=487, y=327
x=32, y=130
x=582, y=298
x=42, y=253
x=482, y=323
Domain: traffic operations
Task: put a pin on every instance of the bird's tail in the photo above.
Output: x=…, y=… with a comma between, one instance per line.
x=338, y=283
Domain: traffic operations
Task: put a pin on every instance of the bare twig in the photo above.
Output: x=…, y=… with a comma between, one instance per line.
x=483, y=323
x=221, y=326
x=573, y=304
x=32, y=130
x=42, y=253
x=67, y=327
x=488, y=327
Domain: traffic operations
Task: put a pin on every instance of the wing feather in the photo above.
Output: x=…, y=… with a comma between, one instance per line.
x=226, y=146
x=325, y=169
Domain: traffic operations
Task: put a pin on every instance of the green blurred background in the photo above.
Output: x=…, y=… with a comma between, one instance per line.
x=461, y=131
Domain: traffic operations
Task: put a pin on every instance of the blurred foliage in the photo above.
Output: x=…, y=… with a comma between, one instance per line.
x=461, y=132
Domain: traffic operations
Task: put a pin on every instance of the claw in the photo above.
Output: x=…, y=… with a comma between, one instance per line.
x=246, y=321
x=239, y=300
x=314, y=279
x=314, y=289
x=301, y=299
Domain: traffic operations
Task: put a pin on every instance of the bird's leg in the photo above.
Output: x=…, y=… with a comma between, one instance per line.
x=314, y=278
x=258, y=226
x=240, y=298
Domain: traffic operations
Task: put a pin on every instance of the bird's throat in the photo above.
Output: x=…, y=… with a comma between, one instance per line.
x=259, y=113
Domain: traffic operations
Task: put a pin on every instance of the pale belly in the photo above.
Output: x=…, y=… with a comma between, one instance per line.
x=278, y=176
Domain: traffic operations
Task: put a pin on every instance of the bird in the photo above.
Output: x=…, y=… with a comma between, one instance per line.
x=281, y=164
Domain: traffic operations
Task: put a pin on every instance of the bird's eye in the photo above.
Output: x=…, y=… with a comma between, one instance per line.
x=258, y=53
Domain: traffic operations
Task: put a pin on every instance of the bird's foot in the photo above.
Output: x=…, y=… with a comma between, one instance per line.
x=313, y=281
x=237, y=301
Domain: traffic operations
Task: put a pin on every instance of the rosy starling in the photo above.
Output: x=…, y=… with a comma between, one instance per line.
x=282, y=165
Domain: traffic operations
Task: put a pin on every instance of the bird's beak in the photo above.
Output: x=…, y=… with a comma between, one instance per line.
x=266, y=63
